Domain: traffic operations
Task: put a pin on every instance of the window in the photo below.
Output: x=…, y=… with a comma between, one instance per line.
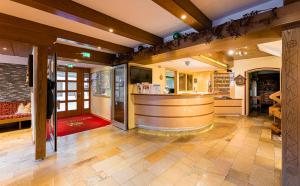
x=61, y=75
x=72, y=96
x=72, y=76
x=72, y=105
x=61, y=107
x=185, y=82
x=72, y=85
x=61, y=96
x=86, y=104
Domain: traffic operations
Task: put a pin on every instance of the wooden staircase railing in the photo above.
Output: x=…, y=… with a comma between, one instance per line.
x=275, y=111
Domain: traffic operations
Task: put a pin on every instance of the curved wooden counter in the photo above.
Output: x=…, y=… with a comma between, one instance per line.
x=182, y=112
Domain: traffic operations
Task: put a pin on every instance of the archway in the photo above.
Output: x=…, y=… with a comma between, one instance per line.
x=247, y=86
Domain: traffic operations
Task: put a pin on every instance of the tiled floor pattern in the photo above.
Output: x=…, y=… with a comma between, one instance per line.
x=232, y=153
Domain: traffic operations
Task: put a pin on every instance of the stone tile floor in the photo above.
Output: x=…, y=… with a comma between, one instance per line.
x=232, y=153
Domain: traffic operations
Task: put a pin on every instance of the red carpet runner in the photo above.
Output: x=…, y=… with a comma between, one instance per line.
x=71, y=125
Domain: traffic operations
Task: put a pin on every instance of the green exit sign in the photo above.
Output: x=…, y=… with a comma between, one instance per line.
x=86, y=54
x=70, y=65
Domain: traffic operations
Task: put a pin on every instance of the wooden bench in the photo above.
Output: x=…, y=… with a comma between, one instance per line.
x=15, y=120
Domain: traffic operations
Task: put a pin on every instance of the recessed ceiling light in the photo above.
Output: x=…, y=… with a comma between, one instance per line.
x=76, y=60
x=230, y=52
x=183, y=17
x=111, y=30
x=99, y=48
x=4, y=48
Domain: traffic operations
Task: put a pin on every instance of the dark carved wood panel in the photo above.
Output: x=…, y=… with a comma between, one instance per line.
x=290, y=107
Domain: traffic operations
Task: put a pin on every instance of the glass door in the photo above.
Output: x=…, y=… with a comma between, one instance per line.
x=119, y=101
x=51, y=86
x=73, y=91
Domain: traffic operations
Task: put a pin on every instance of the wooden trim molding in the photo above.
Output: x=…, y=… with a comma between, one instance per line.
x=246, y=105
x=175, y=116
x=174, y=105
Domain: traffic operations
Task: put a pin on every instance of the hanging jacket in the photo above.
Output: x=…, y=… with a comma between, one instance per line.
x=50, y=97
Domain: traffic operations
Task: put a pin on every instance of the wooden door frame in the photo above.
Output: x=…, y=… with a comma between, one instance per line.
x=80, y=92
x=247, y=84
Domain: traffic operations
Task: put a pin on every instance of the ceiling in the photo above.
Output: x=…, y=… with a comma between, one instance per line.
x=215, y=9
x=181, y=65
x=14, y=48
x=144, y=14
x=273, y=48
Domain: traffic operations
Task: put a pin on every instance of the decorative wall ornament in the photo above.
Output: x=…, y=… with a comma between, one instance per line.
x=161, y=77
x=233, y=28
x=240, y=80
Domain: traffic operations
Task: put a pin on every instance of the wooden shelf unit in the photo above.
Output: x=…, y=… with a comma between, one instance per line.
x=222, y=82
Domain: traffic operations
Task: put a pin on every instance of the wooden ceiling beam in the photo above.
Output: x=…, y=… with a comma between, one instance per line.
x=76, y=53
x=194, y=17
x=44, y=30
x=82, y=14
x=25, y=36
x=286, y=16
x=215, y=46
x=286, y=2
x=216, y=59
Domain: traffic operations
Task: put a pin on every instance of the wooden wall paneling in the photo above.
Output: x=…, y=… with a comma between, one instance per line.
x=291, y=108
x=40, y=101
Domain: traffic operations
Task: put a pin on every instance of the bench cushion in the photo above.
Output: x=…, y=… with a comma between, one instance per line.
x=14, y=116
x=10, y=108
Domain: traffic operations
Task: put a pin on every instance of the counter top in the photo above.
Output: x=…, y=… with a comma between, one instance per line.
x=216, y=98
x=185, y=95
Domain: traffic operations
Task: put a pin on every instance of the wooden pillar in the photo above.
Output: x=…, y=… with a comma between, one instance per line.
x=291, y=107
x=40, y=101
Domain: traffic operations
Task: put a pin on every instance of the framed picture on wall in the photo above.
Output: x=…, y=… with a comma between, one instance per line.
x=101, y=83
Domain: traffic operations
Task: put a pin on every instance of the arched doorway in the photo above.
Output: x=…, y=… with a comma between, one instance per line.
x=260, y=83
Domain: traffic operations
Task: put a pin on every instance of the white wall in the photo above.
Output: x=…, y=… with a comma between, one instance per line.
x=241, y=66
x=156, y=73
x=101, y=105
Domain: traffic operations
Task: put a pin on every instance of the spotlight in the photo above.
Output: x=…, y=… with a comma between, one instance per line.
x=111, y=30
x=230, y=52
x=183, y=17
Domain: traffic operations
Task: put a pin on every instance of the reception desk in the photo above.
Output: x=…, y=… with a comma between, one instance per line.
x=228, y=107
x=175, y=112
